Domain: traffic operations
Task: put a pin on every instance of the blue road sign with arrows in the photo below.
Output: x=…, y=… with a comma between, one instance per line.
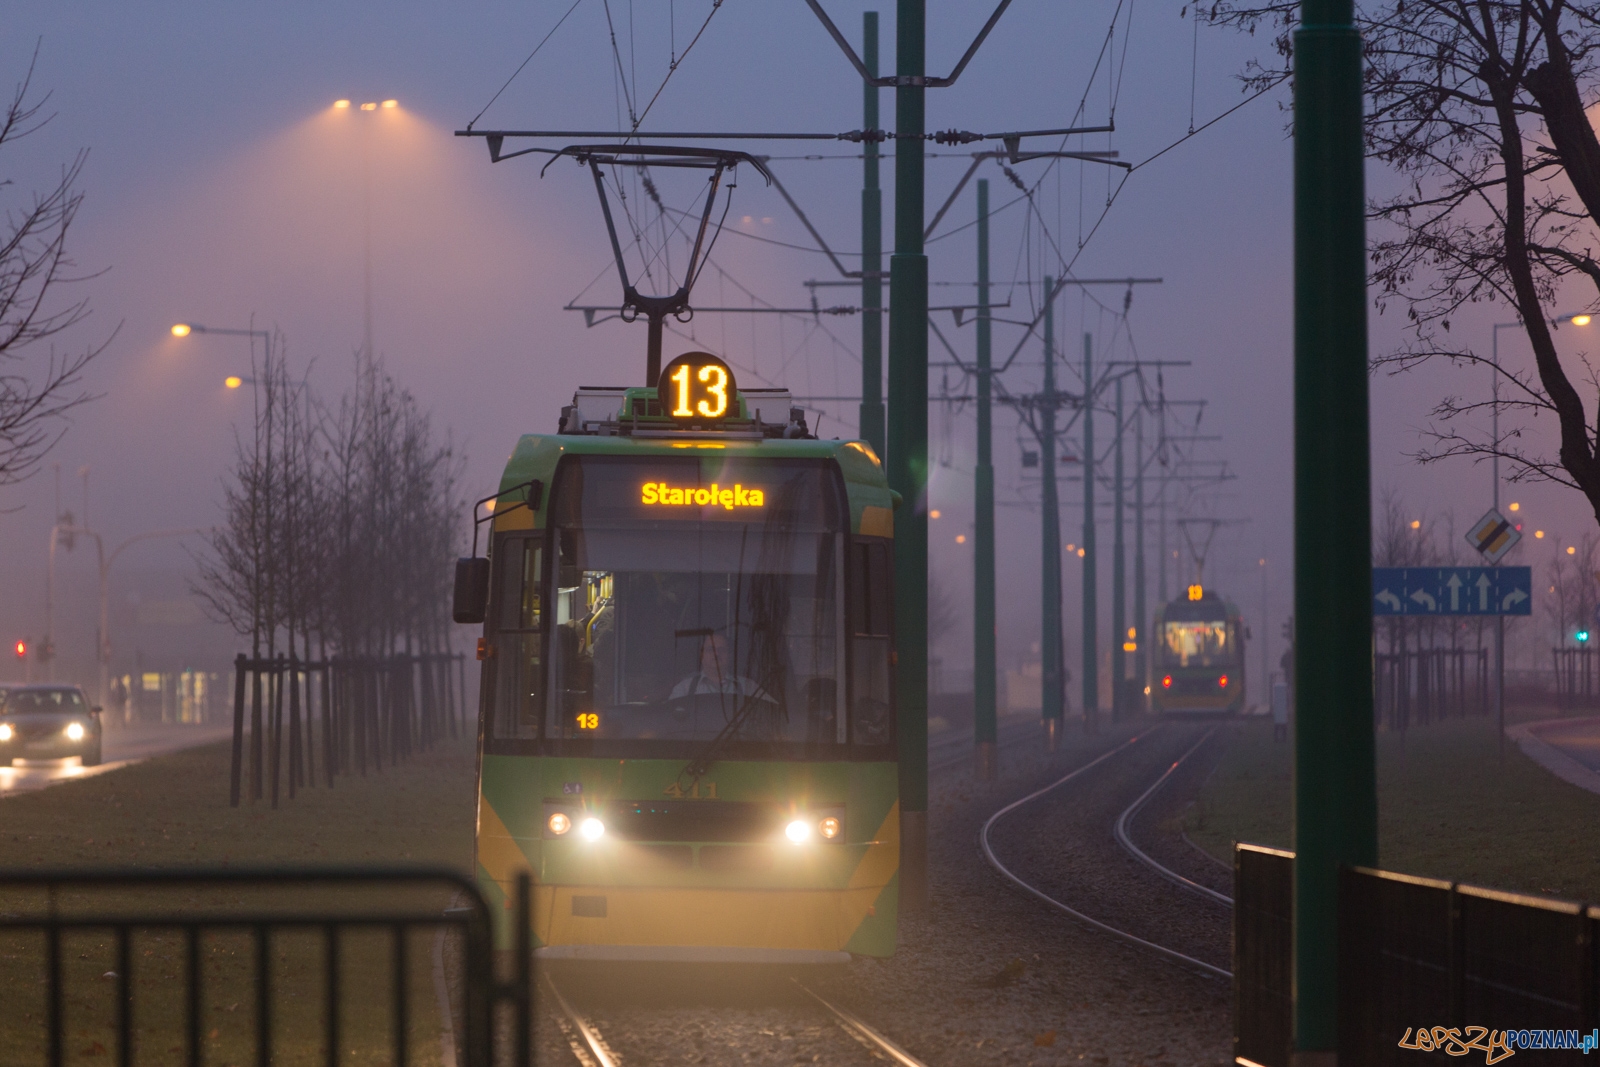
x=1452, y=590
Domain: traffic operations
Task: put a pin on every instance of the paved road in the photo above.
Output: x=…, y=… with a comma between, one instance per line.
x=1579, y=739
x=123, y=745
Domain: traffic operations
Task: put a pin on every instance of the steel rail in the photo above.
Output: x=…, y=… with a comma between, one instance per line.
x=588, y=1046
x=1087, y=920
x=952, y=752
x=1120, y=832
x=856, y=1028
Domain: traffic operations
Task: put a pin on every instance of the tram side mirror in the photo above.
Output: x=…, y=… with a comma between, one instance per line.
x=471, y=602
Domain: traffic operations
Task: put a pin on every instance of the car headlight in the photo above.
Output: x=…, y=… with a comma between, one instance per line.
x=5, y=731
x=75, y=731
x=559, y=823
x=829, y=826
x=797, y=831
x=591, y=828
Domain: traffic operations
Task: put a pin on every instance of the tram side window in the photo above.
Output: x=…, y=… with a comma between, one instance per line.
x=518, y=670
x=871, y=615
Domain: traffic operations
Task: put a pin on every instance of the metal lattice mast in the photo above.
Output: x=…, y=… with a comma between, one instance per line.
x=1052, y=679
x=871, y=250
x=1335, y=788
x=908, y=445
x=1091, y=607
x=984, y=666
x=1119, y=600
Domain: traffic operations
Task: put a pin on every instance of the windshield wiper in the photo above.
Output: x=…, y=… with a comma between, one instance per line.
x=701, y=761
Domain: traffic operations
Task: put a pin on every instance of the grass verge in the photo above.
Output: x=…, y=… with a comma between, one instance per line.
x=172, y=811
x=1448, y=807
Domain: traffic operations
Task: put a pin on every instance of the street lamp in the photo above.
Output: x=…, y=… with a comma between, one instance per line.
x=366, y=217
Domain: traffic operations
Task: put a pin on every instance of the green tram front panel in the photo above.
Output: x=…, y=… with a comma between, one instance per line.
x=687, y=713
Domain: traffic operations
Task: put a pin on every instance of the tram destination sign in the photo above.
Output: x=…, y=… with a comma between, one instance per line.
x=1452, y=590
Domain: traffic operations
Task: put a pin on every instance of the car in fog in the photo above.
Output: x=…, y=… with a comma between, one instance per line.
x=48, y=722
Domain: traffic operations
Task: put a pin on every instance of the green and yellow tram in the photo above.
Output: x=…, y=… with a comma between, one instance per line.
x=1199, y=661
x=687, y=715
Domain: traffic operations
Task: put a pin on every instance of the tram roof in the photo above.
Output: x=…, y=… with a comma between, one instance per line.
x=536, y=455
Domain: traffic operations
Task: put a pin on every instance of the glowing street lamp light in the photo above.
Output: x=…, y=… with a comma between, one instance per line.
x=181, y=329
x=341, y=104
x=233, y=381
x=369, y=107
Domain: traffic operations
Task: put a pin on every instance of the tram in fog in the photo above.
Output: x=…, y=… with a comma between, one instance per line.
x=1199, y=656
x=687, y=727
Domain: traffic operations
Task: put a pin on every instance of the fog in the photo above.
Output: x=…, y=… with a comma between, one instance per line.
x=223, y=188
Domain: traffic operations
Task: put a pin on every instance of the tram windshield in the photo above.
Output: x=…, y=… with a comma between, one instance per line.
x=1198, y=643
x=696, y=599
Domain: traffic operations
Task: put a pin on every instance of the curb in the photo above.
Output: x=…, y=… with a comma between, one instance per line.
x=1552, y=758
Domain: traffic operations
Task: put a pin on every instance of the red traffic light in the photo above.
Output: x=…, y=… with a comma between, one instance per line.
x=22, y=649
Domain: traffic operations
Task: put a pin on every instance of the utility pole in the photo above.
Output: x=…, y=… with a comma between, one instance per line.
x=984, y=667
x=1335, y=787
x=1119, y=598
x=908, y=455
x=1141, y=639
x=1052, y=652
x=1091, y=607
x=871, y=250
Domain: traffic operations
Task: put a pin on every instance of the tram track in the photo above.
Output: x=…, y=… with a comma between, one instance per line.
x=581, y=1031
x=1113, y=889
x=958, y=751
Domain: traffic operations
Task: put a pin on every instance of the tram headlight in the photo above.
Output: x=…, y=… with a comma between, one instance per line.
x=558, y=823
x=829, y=826
x=797, y=831
x=592, y=829
x=5, y=731
x=75, y=731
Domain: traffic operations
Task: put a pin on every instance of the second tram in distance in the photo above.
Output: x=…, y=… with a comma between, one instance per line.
x=1199, y=656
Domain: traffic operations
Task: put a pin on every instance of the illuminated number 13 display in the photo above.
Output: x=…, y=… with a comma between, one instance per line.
x=697, y=385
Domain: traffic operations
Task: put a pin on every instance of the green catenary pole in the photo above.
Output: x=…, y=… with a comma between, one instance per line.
x=983, y=593
x=1141, y=658
x=871, y=250
x=1052, y=655
x=908, y=447
x=1091, y=607
x=1335, y=791
x=1119, y=563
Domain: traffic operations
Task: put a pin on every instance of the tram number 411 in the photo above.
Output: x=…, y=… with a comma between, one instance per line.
x=697, y=386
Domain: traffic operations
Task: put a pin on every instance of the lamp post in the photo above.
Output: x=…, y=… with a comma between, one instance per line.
x=371, y=107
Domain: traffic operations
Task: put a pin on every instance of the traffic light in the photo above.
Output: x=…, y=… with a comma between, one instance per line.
x=22, y=650
x=1582, y=637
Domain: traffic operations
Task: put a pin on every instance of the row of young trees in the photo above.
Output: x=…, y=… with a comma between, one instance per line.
x=339, y=521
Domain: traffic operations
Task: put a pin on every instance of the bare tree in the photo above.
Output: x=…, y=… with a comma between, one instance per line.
x=1477, y=106
x=37, y=393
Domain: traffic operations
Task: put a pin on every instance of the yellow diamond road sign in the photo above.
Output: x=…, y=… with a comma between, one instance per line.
x=1493, y=535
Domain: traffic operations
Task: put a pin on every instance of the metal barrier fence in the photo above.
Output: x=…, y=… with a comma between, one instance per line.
x=1418, y=958
x=1263, y=956
x=1416, y=687
x=277, y=943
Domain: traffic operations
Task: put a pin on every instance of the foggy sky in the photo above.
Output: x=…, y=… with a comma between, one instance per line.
x=222, y=189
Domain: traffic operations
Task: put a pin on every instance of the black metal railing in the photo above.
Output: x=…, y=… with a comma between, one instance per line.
x=1415, y=955
x=139, y=965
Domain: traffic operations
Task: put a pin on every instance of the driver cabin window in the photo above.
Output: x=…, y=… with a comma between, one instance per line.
x=518, y=664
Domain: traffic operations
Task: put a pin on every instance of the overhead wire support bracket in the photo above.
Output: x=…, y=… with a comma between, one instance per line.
x=892, y=81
